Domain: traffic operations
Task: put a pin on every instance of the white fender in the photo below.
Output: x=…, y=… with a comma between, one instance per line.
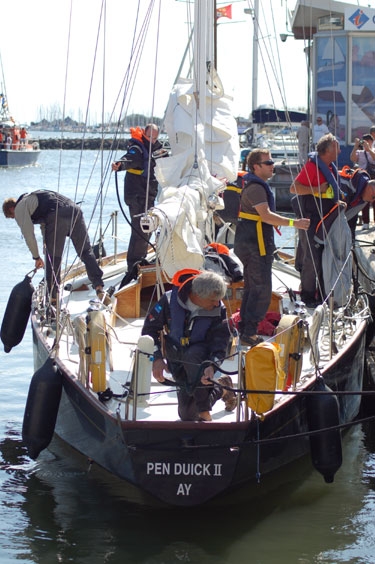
x=144, y=366
x=97, y=343
x=315, y=327
x=79, y=325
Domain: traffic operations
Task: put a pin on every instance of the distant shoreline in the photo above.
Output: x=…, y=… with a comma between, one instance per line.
x=79, y=143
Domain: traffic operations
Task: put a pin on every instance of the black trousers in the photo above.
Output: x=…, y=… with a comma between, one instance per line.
x=138, y=244
x=67, y=221
x=257, y=271
x=185, y=366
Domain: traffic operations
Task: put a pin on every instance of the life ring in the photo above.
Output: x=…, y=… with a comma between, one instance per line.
x=35, y=146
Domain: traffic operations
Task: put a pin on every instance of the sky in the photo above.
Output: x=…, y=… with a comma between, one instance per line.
x=45, y=73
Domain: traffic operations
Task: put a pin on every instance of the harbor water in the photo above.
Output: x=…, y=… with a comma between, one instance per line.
x=63, y=509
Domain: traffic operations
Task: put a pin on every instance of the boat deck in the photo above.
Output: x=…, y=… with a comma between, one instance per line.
x=158, y=402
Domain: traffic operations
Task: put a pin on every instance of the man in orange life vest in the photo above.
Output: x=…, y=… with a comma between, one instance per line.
x=140, y=185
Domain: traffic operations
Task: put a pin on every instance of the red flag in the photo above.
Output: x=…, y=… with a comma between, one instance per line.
x=224, y=12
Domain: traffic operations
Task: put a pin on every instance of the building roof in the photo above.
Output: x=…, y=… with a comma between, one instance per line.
x=306, y=14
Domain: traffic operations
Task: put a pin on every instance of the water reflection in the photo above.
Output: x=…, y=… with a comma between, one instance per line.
x=58, y=509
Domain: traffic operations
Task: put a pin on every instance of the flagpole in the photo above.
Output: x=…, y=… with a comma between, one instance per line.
x=255, y=56
x=215, y=35
x=253, y=12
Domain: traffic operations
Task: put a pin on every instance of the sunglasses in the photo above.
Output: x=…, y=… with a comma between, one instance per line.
x=268, y=163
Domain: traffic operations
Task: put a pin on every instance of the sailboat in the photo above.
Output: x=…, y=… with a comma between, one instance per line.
x=93, y=387
x=15, y=149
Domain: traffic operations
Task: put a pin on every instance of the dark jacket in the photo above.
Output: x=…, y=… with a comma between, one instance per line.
x=183, y=328
x=48, y=201
x=138, y=166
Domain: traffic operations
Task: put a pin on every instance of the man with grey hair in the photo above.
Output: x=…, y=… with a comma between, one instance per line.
x=318, y=189
x=191, y=322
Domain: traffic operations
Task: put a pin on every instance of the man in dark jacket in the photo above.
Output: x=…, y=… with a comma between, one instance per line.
x=193, y=320
x=140, y=185
x=59, y=218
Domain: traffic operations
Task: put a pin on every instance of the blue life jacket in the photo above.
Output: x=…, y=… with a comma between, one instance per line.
x=145, y=155
x=253, y=178
x=186, y=329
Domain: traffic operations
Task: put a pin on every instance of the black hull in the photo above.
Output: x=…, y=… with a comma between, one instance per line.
x=18, y=158
x=188, y=464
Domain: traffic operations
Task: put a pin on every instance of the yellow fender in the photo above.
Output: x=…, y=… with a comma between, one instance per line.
x=96, y=339
x=288, y=336
x=263, y=371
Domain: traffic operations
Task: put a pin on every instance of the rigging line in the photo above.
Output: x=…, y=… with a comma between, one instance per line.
x=101, y=152
x=86, y=121
x=152, y=109
x=134, y=60
x=64, y=104
x=265, y=54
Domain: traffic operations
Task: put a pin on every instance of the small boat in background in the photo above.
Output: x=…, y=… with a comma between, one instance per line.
x=15, y=147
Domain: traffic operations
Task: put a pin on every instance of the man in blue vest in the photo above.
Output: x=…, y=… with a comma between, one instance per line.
x=317, y=188
x=140, y=184
x=254, y=242
x=192, y=319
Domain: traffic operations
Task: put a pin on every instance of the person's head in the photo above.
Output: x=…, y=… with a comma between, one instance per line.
x=368, y=193
x=9, y=206
x=368, y=138
x=259, y=162
x=319, y=120
x=151, y=133
x=207, y=289
x=328, y=148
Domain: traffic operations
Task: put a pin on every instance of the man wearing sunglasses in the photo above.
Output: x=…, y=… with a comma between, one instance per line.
x=254, y=242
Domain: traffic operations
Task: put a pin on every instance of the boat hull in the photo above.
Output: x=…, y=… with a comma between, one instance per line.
x=189, y=463
x=13, y=158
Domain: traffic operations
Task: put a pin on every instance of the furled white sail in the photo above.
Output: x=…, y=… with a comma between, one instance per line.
x=205, y=154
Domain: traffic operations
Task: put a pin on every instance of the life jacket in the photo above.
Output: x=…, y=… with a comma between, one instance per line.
x=187, y=328
x=332, y=178
x=249, y=179
x=353, y=182
x=48, y=201
x=218, y=259
x=231, y=197
x=137, y=139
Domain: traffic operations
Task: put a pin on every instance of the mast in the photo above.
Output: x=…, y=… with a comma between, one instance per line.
x=255, y=56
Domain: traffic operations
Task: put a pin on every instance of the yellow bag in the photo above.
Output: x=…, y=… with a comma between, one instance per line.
x=263, y=371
